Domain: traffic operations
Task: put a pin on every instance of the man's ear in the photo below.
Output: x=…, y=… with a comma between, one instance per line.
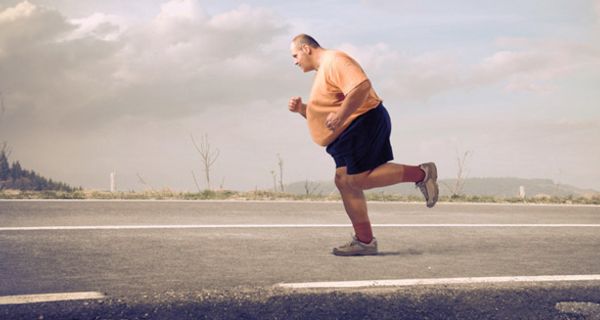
x=306, y=48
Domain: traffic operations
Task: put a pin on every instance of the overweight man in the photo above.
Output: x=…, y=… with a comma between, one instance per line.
x=345, y=115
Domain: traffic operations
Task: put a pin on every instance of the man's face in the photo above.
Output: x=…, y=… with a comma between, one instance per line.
x=301, y=57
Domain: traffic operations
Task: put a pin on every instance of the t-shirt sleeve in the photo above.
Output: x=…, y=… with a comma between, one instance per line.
x=346, y=74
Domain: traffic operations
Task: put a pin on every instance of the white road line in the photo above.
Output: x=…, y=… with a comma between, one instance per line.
x=50, y=297
x=440, y=281
x=185, y=226
x=589, y=310
x=267, y=226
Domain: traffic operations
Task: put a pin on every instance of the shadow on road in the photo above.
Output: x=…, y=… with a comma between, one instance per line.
x=408, y=252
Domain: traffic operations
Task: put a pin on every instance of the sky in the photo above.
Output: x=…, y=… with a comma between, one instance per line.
x=92, y=87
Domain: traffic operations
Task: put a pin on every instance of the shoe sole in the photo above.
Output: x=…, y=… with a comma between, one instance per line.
x=353, y=254
x=433, y=176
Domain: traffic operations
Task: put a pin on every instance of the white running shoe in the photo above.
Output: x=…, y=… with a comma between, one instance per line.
x=429, y=186
x=356, y=248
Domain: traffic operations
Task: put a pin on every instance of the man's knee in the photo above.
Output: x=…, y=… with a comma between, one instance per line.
x=354, y=182
x=351, y=182
x=341, y=181
x=358, y=181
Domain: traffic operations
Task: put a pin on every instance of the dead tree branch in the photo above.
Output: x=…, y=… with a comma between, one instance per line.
x=196, y=181
x=461, y=174
x=208, y=156
x=280, y=163
x=143, y=182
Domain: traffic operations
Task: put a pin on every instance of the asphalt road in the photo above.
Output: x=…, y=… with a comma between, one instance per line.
x=233, y=267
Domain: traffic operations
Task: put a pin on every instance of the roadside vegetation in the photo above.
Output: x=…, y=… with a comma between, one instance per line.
x=13, y=176
x=264, y=195
x=19, y=183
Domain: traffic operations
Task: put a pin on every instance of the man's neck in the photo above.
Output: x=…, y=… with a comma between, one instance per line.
x=318, y=56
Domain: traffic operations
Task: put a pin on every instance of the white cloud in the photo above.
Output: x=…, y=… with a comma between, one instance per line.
x=180, y=10
x=23, y=9
x=97, y=85
x=407, y=76
x=74, y=69
x=99, y=25
x=173, y=66
x=42, y=75
x=532, y=65
x=26, y=25
x=519, y=64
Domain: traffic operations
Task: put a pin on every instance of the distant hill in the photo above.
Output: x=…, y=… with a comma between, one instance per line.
x=17, y=178
x=496, y=187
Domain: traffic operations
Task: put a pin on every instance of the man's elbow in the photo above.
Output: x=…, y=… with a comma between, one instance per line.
x=361, y=92
x=363, y=87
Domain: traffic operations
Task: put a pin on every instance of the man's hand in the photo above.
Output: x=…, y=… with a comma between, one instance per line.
x=353, y=100
x=333, y=121
x=296, y=105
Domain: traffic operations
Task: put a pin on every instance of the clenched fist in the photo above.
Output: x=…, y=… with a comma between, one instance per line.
x=295, y=104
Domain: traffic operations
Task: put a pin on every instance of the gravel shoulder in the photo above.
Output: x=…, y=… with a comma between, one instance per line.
x=503, y=301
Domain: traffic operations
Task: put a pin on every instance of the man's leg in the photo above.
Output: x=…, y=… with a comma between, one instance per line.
x=424, y=175
x=355, y=204
x=386, y=174
x=363, y=243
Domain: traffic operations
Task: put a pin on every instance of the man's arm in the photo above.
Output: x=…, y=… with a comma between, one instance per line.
x=296, y=105
x=353, y=100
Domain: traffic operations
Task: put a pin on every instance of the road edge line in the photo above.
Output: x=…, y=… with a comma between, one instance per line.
x=50, y=297
x=435, y=281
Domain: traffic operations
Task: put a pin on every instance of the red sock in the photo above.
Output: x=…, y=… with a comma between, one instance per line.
x=363, y=232
x=413, y=174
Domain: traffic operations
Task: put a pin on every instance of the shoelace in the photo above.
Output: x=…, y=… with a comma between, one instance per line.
x=350, y=243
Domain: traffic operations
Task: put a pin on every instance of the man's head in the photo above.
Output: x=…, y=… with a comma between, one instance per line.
x=303, y=50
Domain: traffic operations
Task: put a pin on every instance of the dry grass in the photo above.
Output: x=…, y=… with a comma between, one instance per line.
x=264, y=195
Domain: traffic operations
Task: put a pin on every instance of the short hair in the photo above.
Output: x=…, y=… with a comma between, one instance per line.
x=303, y=39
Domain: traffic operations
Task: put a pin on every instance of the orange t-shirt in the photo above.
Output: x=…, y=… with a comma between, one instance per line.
x=338, y=74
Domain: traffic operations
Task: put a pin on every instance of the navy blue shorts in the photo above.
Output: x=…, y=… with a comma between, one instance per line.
x=365, y=144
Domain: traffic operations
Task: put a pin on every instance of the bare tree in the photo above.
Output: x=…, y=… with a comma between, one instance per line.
x=558, y=181
x=280, y=163
x=208, y=156
x=143, y=182
x=461, y=174
x=310, y=188
x=274, y=175
x=196, y=182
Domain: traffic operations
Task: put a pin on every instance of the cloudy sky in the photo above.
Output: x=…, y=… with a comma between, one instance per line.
x=89, y=87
